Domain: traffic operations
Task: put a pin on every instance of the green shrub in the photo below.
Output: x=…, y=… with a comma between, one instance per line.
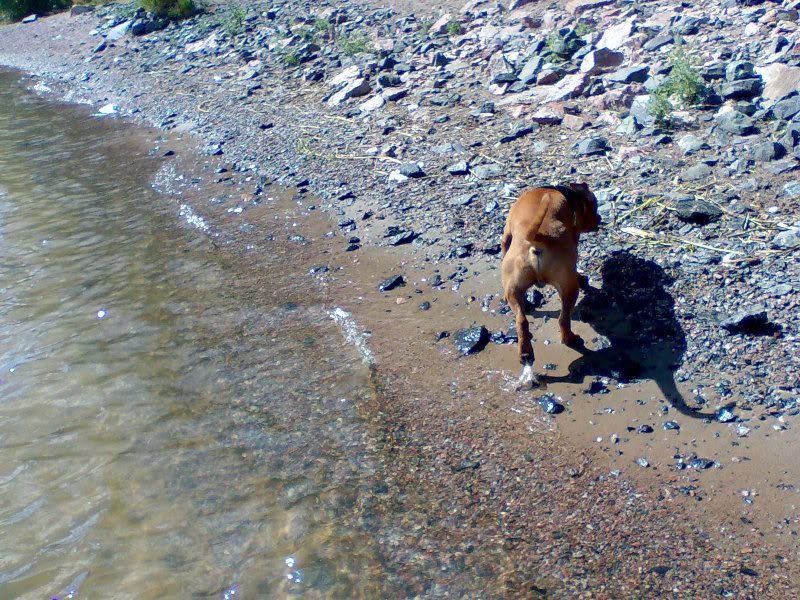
x=453, y=28
x=683, y=86
x=582, y=28
x=291, y=58
x=321, y=24
x=19, y=9
x=561, y=45
x=173, y=9
x=233, y=22
x=354, y=44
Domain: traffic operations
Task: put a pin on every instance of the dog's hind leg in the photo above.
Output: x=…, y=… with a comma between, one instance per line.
x=568, y=291
x=516, y=301
x=505, y=241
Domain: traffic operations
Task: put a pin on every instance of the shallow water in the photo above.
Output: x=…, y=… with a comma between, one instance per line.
x=164, y=432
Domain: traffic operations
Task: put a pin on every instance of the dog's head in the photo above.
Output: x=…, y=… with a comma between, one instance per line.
x=586, y=216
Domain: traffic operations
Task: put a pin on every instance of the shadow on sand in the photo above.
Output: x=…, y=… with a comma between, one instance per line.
x=636, y=315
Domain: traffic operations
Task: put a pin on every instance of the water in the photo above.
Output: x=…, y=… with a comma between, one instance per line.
x=165, y=430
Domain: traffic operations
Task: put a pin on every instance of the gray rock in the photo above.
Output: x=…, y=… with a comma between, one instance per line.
x=739, y=69
x=117, y=33
x=500, y=71
x=690, y=144
x=591, y=146
x=781, y=166
x=741, y=89
x=787, y=108
x=634, y=74
x=80, y=9
x=792, y=189
x=735, y=123
x=531, y=69
x=352, y=89
x=640, y=111
x=697, y=172
x=787, y=240
x=487, y=171
x=767, y=151
x=411, y=170
x=459, y=168
x=30, y=19
x=694, y=210
x=657, y=42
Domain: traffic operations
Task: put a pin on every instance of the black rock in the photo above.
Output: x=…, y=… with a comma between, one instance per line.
x=645, y=429
x=635, y=74
x=671, y=425
x=693, y=210
x=517, y=133
x=425, y=305
x=736, y=123
x=700, y=463
x=597, y=387
x=393, y=282
x=471, y=340
x=740, y=69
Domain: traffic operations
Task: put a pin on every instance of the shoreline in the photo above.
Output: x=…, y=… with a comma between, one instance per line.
x=440, y=437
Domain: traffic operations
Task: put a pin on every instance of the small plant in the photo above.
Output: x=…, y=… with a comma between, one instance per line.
x=172, y=9
x=307, y=35
x=684, y=86
x=563, y=44
x=453, y=28
x=291, y=58
x=425, y=27
x=321, y=24
x=583, y=28
x=234, y=20
x=355, y=43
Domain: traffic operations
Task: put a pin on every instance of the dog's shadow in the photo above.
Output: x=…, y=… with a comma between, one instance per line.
x=640, y=336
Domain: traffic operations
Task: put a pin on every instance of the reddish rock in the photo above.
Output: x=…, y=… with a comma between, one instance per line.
x=601, y=60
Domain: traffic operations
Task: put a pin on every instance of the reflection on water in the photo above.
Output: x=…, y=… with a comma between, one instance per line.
x=161, y=434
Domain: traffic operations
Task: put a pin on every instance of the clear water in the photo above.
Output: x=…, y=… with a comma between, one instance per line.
x=164, y=430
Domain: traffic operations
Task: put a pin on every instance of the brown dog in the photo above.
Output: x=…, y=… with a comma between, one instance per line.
x=540, y=246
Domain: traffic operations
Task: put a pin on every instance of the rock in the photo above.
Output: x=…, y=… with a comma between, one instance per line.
x=657, y=42
x=691, y=144
x=767, y=151
x=117, y=33
x=411, y=170
x=780, y=81
x=30, y=19
x=739, y=69
x=781, y=166
x=644, y=428
x=634, y=74
x=387, y=80
x=697, y=172
x=471, y=340
x=618, y=35
x=792, y=189
x=372, y=104
x=530, y=70
x=591, y=146
x=735, y=123
x=694, y=210
x=395, y=281
x=547, y=116
x=100, y=47
x=700, y=463
x=487, y=171
x=549, y=75
x=671, y=426
x=642, y=462
x=787, y=108
x=742, y=89
x=725, y=413
x=787, y=240
x=578, y=7
x=751, y=320
x=500, y=71
x=348, y=75
x=640, y=111
x=354, y=89
x=459, y=168
x=600, y=60
x=108, y=109
x=440, y=26
x=519, y=132
x=80, y=9
x=550, y=405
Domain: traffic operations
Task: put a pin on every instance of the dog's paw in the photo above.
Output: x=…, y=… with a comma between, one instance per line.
x=572, y=340
x=527, y=379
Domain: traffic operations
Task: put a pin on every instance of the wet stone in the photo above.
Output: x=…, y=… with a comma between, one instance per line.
x=391, y=283
x=671, y=426
x=425, y=306
x=471, y=340
x=550, y=405
x=725, y=414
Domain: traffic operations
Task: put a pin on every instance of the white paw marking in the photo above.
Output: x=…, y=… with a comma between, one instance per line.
x=528, y=379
